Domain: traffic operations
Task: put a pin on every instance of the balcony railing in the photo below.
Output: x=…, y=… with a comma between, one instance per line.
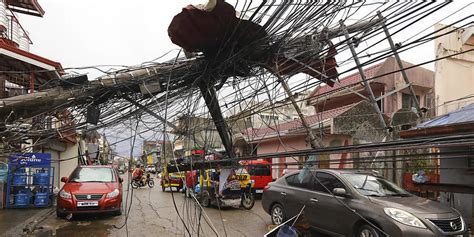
x=14, y=35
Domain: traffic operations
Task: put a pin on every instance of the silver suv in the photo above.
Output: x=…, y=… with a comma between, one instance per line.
x=360, y=204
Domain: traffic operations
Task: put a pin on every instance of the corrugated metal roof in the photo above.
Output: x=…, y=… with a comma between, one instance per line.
x=462, y=115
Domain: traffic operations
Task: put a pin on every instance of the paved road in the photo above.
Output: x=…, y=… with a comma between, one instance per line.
x=154, y=214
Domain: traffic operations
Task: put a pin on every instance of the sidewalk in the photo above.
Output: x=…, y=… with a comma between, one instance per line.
x=13, y=222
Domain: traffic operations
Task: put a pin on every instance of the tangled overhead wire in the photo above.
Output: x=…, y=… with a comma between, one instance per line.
x=243, y=50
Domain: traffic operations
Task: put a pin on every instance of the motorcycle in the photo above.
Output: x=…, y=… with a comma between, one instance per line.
x=142, y=183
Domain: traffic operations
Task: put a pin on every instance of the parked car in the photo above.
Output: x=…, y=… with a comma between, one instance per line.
x=90, y=189
x=364, y=205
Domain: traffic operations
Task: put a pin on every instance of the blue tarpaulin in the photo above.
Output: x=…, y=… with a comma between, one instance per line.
x=462, y=115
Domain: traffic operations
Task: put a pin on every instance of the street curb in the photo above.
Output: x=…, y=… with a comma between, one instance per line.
x=29, y=224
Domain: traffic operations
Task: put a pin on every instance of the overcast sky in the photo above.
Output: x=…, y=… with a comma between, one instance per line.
x=119, y=32
x=116, y=32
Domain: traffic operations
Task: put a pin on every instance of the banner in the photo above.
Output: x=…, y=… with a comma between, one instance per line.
x=30, y=160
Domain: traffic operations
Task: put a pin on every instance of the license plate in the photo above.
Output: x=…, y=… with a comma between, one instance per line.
x=259, y=191
x=87, y=204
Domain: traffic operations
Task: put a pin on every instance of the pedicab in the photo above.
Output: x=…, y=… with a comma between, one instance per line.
x=224, y=188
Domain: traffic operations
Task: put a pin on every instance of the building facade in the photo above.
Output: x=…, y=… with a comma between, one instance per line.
x=343, y=118
x=455, y=74
x=454, y=80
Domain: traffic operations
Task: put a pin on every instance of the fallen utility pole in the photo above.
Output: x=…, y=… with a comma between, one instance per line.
x=60, y=97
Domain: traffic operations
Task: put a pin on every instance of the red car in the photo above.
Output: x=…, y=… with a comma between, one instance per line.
x=90, y=189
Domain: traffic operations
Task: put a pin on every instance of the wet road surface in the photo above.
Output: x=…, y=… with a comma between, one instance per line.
x=9, y=218
x=153, y=213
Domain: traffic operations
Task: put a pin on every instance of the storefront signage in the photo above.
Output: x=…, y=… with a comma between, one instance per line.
x=30, y=159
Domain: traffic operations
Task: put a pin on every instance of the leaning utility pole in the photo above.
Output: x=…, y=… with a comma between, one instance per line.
x=314, y=141
x=209, y=94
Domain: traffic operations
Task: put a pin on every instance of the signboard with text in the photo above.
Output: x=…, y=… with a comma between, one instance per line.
x=30, y=160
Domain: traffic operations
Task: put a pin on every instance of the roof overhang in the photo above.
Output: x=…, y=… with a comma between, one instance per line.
x=439, y=130
x=20, y=60
x=348, y=93
x=29, y=7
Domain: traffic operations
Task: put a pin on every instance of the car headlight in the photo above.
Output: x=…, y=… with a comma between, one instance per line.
x=113, y=194
x=460, y=217
x=404, y=217
x=65, y=195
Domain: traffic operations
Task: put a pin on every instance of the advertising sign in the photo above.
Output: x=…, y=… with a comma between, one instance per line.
x=30, y=160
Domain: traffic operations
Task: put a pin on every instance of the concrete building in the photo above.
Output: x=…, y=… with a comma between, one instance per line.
x=454, y=75
x=340, y=127
x=345, y=118
x=23, y=72
x=252, y=114
x=152, y=152
x=63, y=147
x=195, y=132
x=32, y=72
x=383, y=80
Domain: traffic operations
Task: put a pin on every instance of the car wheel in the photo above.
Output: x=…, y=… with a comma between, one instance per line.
x=278, y=214
x=60, y=214
x=205, y=200
x=151, y=183
x=368, y=231
x=248, y=200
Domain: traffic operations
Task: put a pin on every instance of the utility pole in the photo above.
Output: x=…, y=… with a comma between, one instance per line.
x=313, y=140
x=209, y=94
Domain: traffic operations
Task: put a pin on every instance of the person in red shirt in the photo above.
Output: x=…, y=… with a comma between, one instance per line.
x=137, y=173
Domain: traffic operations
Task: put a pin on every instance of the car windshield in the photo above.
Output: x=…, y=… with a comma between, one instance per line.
x=92, y=174
x=370, y=185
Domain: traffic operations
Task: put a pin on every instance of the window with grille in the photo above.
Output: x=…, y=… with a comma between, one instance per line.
x=408, y=102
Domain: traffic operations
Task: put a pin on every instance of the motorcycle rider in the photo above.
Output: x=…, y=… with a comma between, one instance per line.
x=138, y=174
